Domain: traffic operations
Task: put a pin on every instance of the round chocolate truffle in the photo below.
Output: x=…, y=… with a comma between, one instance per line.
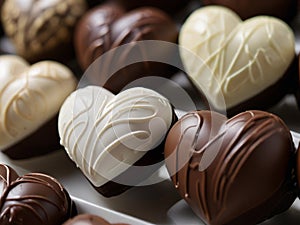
x=113, y=138
x=89, y=219
x=283, y=9
x=33, y=198
x=30, y=98
x=232, y=171
x=42, y=29
x=108, y=27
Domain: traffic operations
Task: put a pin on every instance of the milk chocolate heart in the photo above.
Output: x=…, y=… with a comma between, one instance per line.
x=114, y=138
x=42, y=29
x=30, y=97
x=235, y=171
x=107, y=27
x=33, y=198
x=237, y=65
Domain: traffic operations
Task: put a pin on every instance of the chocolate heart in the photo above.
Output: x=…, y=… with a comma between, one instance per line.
x=236, y=171
x=41, y=29
x=113, y=138
x=107, y=27
x=88, y=219
x=30, y=96
x=34, y=198
x=237, y=65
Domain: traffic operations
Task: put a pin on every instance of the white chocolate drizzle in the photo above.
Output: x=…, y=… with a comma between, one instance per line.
x=106, y=134
x=30, y=96
x=230, y=60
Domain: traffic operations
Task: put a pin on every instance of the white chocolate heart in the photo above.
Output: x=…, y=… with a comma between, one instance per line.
x=106, y=134
x=30, y=96
x=231, y=61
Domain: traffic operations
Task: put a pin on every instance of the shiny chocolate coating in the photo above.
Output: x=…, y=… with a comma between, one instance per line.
x=89, y=219
x=232, y=171
x=283, y=9
x=93, y=33
x=42, y=29
x=107, y=27
x=33, y=198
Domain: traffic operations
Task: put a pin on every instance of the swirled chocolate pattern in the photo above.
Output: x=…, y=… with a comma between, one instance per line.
x=108, y=27
x=235, y=61
x=236, y=171
x=33, y=198
x=30, y=96
x=39, y=28
x=113, y=138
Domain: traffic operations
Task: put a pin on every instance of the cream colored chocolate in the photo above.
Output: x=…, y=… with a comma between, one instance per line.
x=106, y=134
x=36, y=27
x=230, y=60
x=30, y=96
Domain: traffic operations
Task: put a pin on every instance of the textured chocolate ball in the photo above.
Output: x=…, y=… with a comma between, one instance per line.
x=33, y=198
x=108, y=27
x=283, y=9
x=232, y=171
x=42, y=29
x=89, y=219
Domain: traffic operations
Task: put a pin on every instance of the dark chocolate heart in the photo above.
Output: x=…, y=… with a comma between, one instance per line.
x=236, y=171
x=107, y=27
x=34, y=198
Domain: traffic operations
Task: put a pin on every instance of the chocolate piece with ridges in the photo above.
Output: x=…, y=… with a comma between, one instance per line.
x=106, y=28
x=33, y=198
x=42, y=29
x=114, y=138
x=236, y=171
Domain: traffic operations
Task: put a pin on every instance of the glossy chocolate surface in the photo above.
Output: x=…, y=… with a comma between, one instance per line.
x=107, y=27
x=89, y=219
x=284, y=9
x=236, y=171
x=33, y=198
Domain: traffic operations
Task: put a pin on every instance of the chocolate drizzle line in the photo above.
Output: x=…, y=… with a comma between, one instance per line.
x=238, y=143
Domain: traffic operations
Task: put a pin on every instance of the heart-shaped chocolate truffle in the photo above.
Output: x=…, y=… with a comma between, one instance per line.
x=42, y=29
x=89, y=219
x=107, y=27
x=33, y=198
x=237, y=65
x=114, y=138
x=30, y=97
x=235, y=171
